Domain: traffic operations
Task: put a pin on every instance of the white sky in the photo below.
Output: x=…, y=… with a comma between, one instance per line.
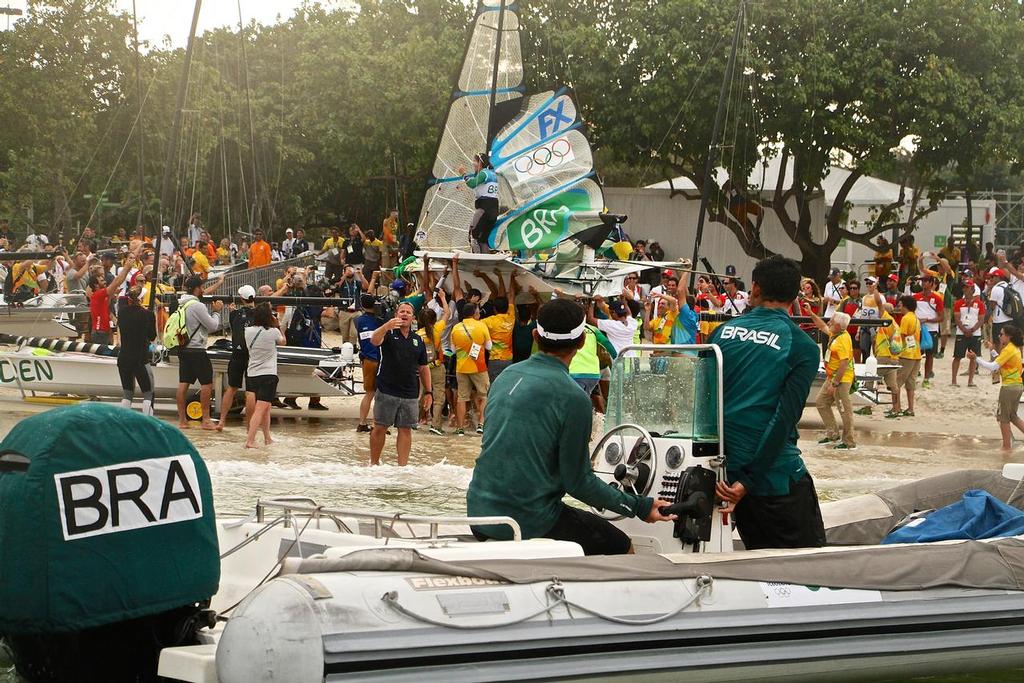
x=173, y=18
x=159, y=18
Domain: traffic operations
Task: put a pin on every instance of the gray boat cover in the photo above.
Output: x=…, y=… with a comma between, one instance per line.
x=995, y=565
x=854, y=560
x=867, y=519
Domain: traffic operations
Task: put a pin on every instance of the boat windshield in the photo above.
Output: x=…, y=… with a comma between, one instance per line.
x=673, y=394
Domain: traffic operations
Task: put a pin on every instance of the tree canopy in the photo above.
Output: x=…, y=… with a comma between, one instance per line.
x=346, y=105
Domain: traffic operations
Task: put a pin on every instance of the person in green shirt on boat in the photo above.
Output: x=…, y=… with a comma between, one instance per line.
x=536, y=449
x=768, y=365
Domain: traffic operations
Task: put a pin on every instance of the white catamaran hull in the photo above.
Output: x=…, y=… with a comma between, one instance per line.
x=83, y=374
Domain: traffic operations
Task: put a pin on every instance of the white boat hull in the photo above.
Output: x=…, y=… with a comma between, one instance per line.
x=83, y=374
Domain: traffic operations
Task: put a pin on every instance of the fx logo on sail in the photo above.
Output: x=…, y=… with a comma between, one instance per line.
x=551, y=120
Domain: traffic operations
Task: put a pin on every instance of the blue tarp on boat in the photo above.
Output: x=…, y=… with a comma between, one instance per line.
x=976, y=516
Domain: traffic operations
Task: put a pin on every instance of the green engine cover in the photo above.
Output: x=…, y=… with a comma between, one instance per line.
x=105, y=515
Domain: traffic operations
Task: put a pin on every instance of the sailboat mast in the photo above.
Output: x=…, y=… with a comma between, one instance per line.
x=491, y=132
x=138, y=88
x=255, y=218
x=709, y=165
x=172, y=146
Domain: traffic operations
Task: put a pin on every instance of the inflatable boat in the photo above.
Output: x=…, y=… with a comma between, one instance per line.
x=310, y=593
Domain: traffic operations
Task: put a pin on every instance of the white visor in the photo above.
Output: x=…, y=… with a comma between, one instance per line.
x=560, y=336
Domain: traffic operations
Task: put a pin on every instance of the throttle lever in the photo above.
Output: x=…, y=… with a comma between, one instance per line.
x=695, y=506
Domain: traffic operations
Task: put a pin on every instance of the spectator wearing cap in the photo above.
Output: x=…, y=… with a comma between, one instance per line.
x=239, y=318
x=997, y=287
x=839, y=375
x=167, y=243
x=892, y=294
x=968, y=315
x=287, y=247
x=831, y=295
x=620, y=327
x=193, y=361
x=369, y=356
x=930, y=307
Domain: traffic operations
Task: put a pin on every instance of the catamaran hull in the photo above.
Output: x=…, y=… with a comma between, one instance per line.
x=83, y=374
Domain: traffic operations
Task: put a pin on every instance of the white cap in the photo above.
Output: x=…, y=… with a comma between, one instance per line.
x=288, y=231
x=167, y=229
x=247, y=292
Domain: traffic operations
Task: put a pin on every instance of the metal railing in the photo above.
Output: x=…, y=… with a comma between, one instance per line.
x=382, y=521
x=257, y=277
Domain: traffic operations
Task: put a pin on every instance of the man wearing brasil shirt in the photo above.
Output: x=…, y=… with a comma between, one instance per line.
x=524, y=472
x=768, y=367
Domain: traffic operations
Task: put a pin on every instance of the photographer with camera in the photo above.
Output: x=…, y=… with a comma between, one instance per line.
x=303, y=326
x=349, y=289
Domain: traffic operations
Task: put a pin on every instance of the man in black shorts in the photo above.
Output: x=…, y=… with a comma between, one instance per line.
x=238, y=319
x=536, y=449
x=193, y=362
x=402, y=368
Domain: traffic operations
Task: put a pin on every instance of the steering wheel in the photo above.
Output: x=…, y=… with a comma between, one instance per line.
x=633, y=472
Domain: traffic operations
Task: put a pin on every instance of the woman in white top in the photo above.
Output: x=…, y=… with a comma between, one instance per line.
x=262, y=340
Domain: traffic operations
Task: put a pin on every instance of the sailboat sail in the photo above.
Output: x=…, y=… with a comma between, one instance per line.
x=547, y=187
x=492, y=71
x=546, y=176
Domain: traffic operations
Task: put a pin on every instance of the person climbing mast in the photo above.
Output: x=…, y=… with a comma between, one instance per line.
x=484, y=183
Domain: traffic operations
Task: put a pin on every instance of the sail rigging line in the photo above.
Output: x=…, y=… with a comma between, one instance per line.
x=679, y=112
x=499, y=38
x=280, y=134
x=117, y=162
x=257, y=185
x=224, y=192
x=95, y=153
x=197, y=129
x=174, y=139
x=175, y=133
x=708, y=167
x=138, y=89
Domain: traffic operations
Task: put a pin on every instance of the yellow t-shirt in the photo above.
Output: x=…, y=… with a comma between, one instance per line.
x=200, y=264
x=840, y=348
x=331, y=243
x=1009, y=365
x=438, y=349
x=469, y=338
x=885, y=335
x=910, y=329
x=661, y=327
x=223, y=255
x=499, y=326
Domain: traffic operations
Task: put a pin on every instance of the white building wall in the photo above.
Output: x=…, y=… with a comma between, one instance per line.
x=654, y=216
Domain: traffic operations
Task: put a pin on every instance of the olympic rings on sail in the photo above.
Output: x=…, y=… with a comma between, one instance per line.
x=544, y=158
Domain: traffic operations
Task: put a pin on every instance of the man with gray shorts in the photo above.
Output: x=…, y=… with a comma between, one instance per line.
x=403, y=366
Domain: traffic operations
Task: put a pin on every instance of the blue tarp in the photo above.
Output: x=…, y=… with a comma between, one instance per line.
x=977, y=515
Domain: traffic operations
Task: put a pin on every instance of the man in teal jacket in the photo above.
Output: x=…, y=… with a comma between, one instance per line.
x=768, y=367
x=536, y=449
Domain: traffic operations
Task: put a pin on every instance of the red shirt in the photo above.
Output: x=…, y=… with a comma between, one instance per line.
x=958, y=313
x=99, y=308
x=926, y=302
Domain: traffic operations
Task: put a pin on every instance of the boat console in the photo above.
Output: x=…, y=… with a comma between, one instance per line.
x=663, y=439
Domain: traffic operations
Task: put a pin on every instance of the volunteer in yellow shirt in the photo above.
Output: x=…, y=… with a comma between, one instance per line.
x=887, y=348
x=839, y=376
x=499, y=327
x=430, y=331
x=910, y=356
x=200, y=264
x=1008, y=363
x=470, y=339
